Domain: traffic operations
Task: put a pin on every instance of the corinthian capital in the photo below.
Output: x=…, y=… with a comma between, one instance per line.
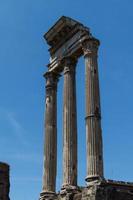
x=90, y=47
x=51, y=80
x=69, y=64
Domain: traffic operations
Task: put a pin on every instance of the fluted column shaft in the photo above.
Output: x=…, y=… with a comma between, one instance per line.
x=93, y=113
x=69, y=125
x=50, y=148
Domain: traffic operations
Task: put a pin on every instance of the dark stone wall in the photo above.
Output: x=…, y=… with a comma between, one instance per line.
x=106, y=190
x=4, y=181
x=109, y=190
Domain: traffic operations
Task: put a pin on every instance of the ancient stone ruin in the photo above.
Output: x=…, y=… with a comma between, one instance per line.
x=69, y=40
x=4, y=181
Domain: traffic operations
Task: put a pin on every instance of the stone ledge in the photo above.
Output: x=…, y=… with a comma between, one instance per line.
x=102, y=190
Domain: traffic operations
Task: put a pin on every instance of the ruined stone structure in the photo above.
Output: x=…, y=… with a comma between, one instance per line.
x=4, y=181
x=68, y=40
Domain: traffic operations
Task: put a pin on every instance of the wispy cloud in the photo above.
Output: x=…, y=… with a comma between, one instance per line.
x=25, y=179
x=25, y=157
x=17, y=129
x=16, y=126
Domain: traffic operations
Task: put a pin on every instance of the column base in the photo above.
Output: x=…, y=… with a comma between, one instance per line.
x=48, y=195
x=69, y=191
x=93, y=178
x=67, y=187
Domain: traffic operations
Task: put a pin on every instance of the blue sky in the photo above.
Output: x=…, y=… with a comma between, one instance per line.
x=23, y=56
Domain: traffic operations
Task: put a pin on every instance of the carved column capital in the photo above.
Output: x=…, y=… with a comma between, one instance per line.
x=69, y=64
x=90, y=47
x=51, y=80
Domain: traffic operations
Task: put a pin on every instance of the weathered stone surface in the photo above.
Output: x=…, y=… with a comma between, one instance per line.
x=48, y=196
x=65, y=39
x=50, y=150
x=69, y=125
x=93, y=112
x=68, y=40
x=4, y=181
x=70, y=193
x=108, y=190
x=104, y=190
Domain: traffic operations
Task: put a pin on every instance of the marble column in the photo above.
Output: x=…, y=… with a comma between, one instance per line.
x=50, y=147
x=93, y=112
x=69, y=125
